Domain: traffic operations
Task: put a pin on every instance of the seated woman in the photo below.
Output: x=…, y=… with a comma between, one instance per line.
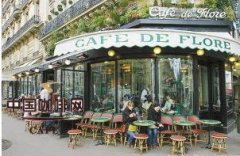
x=169, y=104
x=129, y=116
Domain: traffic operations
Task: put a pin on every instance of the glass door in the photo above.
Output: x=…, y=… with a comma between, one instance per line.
x=203, y=98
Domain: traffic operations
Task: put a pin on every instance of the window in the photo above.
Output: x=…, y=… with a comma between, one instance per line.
x=103, y=86
x=216, y=89
x=175, y=84
x=203, y=98
x=135, y=80
x=229, y=86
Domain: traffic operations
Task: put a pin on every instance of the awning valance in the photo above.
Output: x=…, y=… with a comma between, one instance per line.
x=222, y=42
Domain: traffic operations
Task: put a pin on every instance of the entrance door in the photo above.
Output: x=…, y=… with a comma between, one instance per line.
x=209, y=90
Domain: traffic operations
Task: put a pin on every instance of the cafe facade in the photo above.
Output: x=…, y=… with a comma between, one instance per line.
x=187, y=60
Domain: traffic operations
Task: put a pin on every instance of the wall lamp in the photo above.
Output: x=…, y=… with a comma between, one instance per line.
x=157, y=50
x=67, y=62
x=232, y=59
x=200, y=52
x=111, y=53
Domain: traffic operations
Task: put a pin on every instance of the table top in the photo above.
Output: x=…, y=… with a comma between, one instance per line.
x=144, y=122
x=210, y=122
x=100, y=119
x=184, y=123
x=73, y=117
x=42, y=118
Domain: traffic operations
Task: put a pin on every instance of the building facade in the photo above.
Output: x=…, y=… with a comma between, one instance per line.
x=197, y=75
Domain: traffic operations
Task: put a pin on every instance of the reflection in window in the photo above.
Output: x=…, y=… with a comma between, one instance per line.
x=25, y=86
x=103, y=86
x=175, y=84
x=216, y=89
x=229, y=86
x=79, y=81
x=38, y=83
x=30, y=86
x=135, y=80
x=203, y=88
x=67, y=84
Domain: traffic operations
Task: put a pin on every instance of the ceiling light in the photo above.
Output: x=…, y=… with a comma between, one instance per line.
x=232, y=59
x=111, y=53
x=200, y=52
x=37, y=70
x=67, y=62
x=50, y=66
x=157, y=50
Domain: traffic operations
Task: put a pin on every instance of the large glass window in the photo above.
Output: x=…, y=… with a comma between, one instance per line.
x=32, y=85
x=135, y=80
x=73, y=82
x=25, y=84
x=79, y=81
x=67, y=88
x=38, y=83
x=216, y=89
x=203, y=98
x=229, y=86
x=103, y=86
x=175, y=84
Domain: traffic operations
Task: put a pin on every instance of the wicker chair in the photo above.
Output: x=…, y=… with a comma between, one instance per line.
x=85, y=122
x=197, y=131
x=165, y=134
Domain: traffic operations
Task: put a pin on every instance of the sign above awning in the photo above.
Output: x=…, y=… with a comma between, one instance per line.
x=148, y=37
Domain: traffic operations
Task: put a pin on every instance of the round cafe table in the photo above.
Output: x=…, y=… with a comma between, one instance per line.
x=144, y=123
x=210, y=124
x=72, y=118
x=185, y=124
x=100, y=120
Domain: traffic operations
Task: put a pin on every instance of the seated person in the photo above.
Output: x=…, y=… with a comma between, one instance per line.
x=147, y=103
x=168, y=106
x=129, y=116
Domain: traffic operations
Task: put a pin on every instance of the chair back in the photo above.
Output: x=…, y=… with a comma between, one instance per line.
x=167, y=121
x=194, y=119
x=122, y=128
x=117, y=118
x=179, y=118
x=108, y=115
x=88, y=115
x=96, y=114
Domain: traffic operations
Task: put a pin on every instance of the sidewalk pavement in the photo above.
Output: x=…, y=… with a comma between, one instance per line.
x=26, y=144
